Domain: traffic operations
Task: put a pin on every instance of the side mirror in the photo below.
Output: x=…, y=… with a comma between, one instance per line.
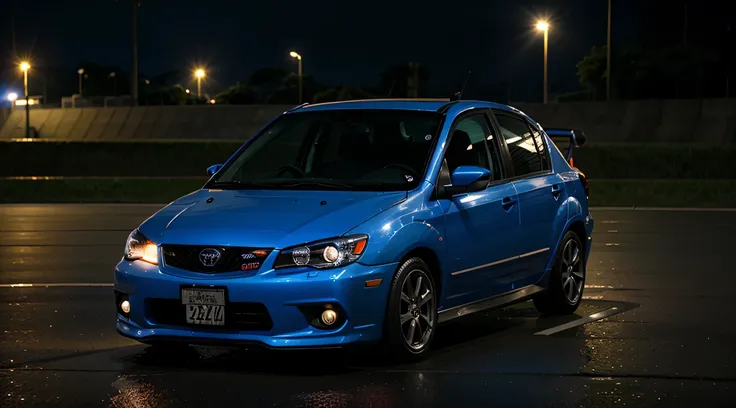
x=213, y=169
x=466, y=179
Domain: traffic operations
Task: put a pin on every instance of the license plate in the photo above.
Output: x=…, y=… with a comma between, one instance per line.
x=204, y=306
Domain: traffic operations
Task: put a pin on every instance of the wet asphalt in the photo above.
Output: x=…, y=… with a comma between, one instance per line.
x=669, y=274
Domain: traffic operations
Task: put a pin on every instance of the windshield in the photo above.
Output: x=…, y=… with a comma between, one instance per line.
x=384, y=150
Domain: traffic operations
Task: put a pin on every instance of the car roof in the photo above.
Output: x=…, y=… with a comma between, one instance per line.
x=426, y=105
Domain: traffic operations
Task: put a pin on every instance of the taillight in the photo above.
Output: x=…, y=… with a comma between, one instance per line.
x=584, y=182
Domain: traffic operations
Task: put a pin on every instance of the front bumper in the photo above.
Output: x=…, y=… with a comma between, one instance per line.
x=284, y=296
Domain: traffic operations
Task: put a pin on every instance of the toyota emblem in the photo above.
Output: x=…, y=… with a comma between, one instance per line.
x=209, y=257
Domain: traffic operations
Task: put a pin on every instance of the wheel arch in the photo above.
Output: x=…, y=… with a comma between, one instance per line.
x=577, y=225
x=429, y=256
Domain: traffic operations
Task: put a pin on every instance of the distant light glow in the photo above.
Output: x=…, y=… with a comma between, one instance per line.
x=12, y=96
x=212, y=101
x=187, y=91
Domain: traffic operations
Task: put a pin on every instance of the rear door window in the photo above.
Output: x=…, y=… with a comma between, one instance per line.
x=523, y=148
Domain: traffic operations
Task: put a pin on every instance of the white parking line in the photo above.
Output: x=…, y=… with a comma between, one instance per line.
x=690, y=209
x=56, y=285
x=579, y=322
x=599, y=287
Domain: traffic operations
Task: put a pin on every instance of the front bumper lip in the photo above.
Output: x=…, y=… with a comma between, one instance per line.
x=282, y=295
x=204, y=341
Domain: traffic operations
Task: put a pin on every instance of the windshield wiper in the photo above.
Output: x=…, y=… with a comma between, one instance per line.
x=226, y=185
x=314, y=183
x=239, y=185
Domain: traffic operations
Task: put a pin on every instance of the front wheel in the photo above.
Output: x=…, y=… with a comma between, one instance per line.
x=411, y=315
x=567, y=279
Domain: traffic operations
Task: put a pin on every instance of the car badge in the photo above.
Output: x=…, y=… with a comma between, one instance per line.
x=209, y=257
x=250, y=266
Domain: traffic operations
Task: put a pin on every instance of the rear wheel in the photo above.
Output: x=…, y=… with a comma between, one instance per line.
x=567, y=279
x=411, y=315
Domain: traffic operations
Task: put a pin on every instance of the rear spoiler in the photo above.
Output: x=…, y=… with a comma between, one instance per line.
x=566, y=140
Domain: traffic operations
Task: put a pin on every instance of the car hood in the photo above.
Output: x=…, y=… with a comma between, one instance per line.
x=267, y=219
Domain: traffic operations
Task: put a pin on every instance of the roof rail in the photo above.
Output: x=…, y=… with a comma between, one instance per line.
x=447, y=106
x=297, y=107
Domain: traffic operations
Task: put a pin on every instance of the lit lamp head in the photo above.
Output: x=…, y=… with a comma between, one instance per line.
x=294, y=54
x=542, y=25
x=24, y=66
x=199, y=73
x=80, y=71
x=12, y=97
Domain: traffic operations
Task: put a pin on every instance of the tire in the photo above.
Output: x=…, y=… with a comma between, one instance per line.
x=403, y=311
x=563, y=295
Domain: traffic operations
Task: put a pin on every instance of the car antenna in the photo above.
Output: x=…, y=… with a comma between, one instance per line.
x=457, y=96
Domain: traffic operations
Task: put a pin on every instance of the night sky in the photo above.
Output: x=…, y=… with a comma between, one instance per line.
x=341, y=42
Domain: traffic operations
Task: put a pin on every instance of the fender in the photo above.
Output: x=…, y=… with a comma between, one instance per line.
x=399, y=238
x=570, y=221
x=399, y=243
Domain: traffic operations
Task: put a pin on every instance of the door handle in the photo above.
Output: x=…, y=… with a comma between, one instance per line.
x=556, y=190
x=508, y=202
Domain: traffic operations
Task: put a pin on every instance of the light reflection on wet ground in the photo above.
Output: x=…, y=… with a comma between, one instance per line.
x=58, y=346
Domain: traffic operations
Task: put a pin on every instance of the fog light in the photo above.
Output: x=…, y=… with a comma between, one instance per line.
x=329, y=317
x=125, y=306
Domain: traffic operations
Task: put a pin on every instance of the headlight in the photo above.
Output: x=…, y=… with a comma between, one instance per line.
x=140, y=247
x=330, y=253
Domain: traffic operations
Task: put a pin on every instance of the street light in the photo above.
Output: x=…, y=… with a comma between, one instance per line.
x=199, y=73
x=294, y=54
x=25, y=67
x=544, y=26
x=80, y=71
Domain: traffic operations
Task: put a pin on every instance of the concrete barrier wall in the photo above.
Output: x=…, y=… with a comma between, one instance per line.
x=4, y=113
x=655, y=121
x=143, y=123
x=710, y=121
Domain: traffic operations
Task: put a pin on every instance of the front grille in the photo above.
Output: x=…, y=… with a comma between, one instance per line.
x=231, y=259
x=238, y=315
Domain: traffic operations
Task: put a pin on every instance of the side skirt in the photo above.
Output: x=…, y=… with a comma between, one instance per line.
x=493, y=302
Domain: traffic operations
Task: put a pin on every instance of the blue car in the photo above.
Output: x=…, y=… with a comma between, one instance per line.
x=362, y=222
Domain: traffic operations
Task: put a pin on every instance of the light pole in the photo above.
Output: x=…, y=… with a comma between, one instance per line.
x=25, y=67
x=294, y=54
x=608, y=56
x=544, y=26
x=80, y=71
x=134, y=48
x=199, y=74
x=114, y=77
